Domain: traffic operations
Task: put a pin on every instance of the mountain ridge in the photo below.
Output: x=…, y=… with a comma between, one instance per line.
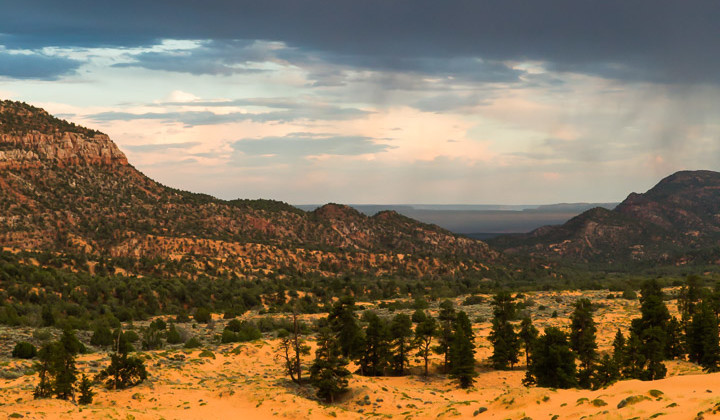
x=67, y=188
x=677, y=218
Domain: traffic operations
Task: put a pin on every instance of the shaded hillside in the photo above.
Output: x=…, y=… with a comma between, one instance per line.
x=676, y=222
x=70, y=189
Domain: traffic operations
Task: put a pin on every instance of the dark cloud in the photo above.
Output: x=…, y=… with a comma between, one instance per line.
x=298, y=145
x=656, y=40
x=211, y=57
x=35, y=66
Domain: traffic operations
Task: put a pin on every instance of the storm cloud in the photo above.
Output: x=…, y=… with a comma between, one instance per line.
x=655, y=40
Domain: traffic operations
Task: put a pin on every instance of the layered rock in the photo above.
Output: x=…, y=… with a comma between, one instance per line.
x=62, y=149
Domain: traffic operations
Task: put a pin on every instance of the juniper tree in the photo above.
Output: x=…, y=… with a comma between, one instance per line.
x=124, y=371
x=553, y=363
x=502, y=336
x=446, y=318
x=425, y=331
x=328, y=373
x=582, y=339
x=462, y=351
x=401, y=334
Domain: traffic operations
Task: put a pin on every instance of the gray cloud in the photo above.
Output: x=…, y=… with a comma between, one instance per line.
x=35, y=66
x=297, y=145
x=162, y=147
x=215, y=57
x=449, y=102
x=194, y=118
x=656, y=40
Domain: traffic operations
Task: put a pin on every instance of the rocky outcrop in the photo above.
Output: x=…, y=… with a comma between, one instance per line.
x=62, y=149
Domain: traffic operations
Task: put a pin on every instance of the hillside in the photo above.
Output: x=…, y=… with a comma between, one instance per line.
x=69, y=189
x=675, y=222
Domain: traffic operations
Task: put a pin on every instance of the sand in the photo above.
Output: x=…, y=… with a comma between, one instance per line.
x=246, y=381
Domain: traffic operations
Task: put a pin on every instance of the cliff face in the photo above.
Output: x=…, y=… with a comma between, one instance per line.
x=676, y=222
x=65, y=188
x=62, y=149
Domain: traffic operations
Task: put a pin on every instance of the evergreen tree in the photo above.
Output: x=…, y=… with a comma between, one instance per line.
x=582, y=339
x=553, y=363
x=689, y=296
x=619, y=349
x=675, y=343
x=462, y=351
x=102, y=336
x=446, y=318
x=344, y=323
x=528, y=335
x=651, y=330
x=328, y=372
x=605, y=373
x=124, y=371
x=703, y=345
x=401, y=334
x=86, y=392
x=424, y=334
x=56, y=368
x=503, y=337
x=634, y=360
x=376, y=355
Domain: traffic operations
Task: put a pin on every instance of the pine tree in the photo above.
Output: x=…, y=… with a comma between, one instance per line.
x=528, y=335
x=605, y=373
x=401, y=333
x=86, y=392
x=446, y=318
x=424, y=334
x=619, y=349
x=344, y=323
x=651, y=330
x=503, y=337
x=376, y=355
x=689, y=296
x=703, y=345
x=328, y=373
x=462, y=351
x=582, y=339
x=553, y=363
x=56, y=368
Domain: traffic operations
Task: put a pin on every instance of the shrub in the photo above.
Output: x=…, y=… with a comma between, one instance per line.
x=173, y=335
x=24, y=350
x=193, y=343
x=202, y=315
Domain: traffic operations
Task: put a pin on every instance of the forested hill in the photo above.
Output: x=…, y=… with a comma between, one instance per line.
x=677, y=222
x=69, y=189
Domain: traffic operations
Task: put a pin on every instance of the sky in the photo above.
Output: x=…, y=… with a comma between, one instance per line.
x=381, y=101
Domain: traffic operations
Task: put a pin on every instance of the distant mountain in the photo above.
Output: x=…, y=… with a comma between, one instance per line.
x=675, y=222
x=69, y=189
x=483, y=221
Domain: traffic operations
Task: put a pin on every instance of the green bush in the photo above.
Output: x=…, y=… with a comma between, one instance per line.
x=24, y=350
x=193, y=343
x=202, y=315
